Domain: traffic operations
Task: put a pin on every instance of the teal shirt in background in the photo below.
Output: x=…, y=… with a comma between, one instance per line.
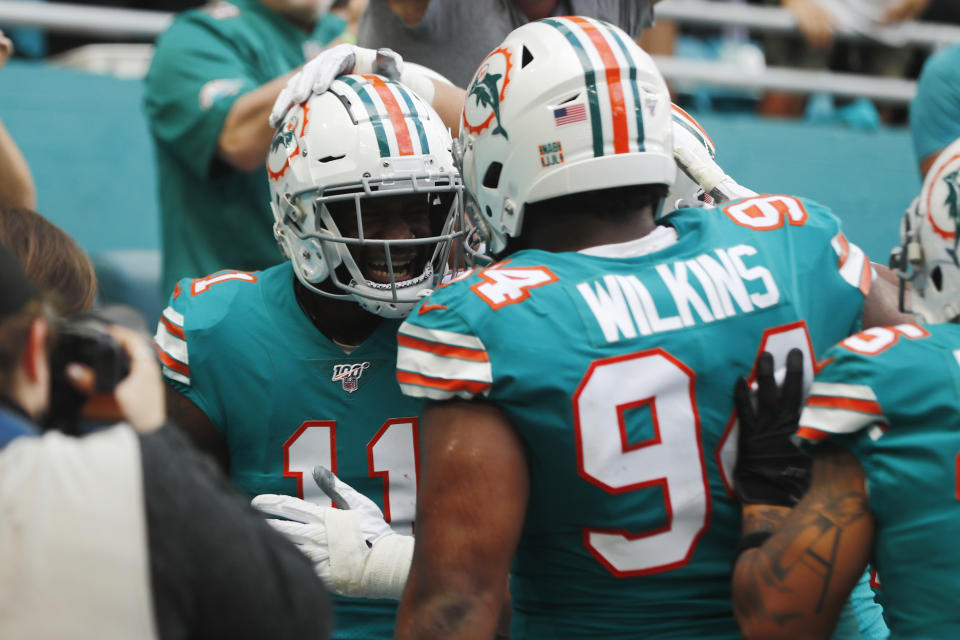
x=935, y=111
x=212, y=215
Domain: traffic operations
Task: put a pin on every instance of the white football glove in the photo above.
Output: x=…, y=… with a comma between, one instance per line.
x=694, y=154
x=317, y=75
x=352, y=548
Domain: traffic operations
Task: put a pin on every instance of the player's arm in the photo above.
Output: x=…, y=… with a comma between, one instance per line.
x=881, y=307
x=796, y=583
x=244, y=140
x=16, y=187
x=695, y=155
x=792, y=579
x=248, y=129
x=317, y=75
x=249, y=126
x=198, y=427
x=448, y=102
x=470, y=510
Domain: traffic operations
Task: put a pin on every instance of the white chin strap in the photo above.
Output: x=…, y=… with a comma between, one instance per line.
x=379, y=300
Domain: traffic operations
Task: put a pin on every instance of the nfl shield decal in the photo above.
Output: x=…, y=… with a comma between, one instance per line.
x=349, y=375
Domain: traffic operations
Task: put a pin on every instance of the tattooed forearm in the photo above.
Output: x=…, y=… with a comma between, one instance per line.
x=763, y=517
x=802, y=568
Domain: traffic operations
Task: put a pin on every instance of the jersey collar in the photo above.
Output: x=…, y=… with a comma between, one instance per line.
x=657, y=240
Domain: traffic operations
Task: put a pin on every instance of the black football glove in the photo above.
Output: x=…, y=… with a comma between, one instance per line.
x=770, y=468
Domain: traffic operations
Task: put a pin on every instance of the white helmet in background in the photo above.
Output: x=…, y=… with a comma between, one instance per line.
x=563, y=105
x=929, y=237
x=340, y=153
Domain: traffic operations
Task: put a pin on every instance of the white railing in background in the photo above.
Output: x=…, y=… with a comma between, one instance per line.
x=774, y=19
x=85, y=20
x=721, y=74
x=131, y=24
x=110, y=22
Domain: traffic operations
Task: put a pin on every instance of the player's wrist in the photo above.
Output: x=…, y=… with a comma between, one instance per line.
x=419, y=84
x=780, y=485
x=387, y=567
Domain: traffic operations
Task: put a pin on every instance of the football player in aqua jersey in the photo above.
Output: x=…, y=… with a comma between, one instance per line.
x=580, y=433
x=278, y=371
x=883, y=421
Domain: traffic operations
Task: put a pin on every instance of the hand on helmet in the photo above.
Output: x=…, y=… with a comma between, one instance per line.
x=352, y=548
x=694, y=154
x=317, y=75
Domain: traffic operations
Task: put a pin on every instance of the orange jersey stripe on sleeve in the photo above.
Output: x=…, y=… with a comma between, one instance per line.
x=445, y=350
x=850, y=404
x=168, y=361
x=407, y=377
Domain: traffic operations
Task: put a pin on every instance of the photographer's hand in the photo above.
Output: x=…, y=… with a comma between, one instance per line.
x=138, y=398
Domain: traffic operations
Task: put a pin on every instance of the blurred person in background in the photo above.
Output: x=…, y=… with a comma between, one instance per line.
x=51, y=259
x=213, y=80
x=452, y=37
x=351, y=11
x=127, y=533
x=819, y=19
x=16, y=181
x=881, y=54
x=935, y=110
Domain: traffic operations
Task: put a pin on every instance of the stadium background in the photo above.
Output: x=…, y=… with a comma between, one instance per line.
x=85, y=138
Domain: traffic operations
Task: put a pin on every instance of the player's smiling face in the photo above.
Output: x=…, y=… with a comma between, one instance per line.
x=389, y=218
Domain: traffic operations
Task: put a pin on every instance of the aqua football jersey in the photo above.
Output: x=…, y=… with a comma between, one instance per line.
x=892, y=396
x=286, y=399
x=616, y=366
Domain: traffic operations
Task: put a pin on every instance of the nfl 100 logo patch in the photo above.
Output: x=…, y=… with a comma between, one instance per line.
x=349, y=374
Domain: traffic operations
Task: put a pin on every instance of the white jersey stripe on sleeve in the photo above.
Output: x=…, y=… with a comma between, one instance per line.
x=173, y=375
x=173, y=316
x=431, y=393
x=434, y=366
x=842, y=390
x=852, y=268
x=837, y=421
x=173, y=346
x=442, y=337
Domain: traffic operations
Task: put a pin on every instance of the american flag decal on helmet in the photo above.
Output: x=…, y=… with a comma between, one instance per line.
x=569, y=115
x=610, y=73
x=392, y=111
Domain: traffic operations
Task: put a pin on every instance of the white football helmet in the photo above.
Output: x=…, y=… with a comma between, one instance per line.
x=563, y=105
x=929, y=235
x=334, y=160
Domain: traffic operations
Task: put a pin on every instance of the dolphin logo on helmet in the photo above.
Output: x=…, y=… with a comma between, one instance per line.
x=487, y=92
